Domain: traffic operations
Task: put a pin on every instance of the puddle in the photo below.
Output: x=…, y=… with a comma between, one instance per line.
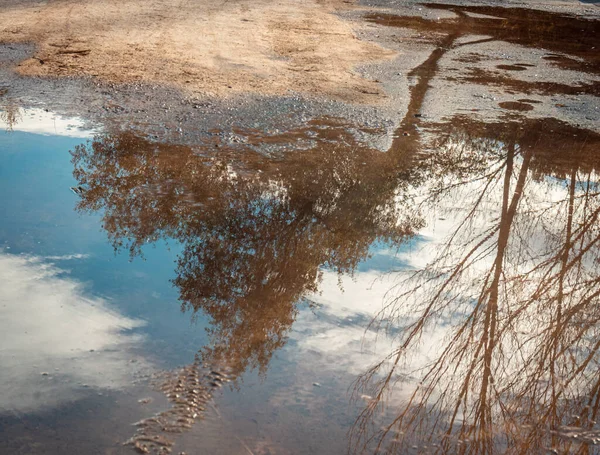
x=261, y=245
x=299, y=291
x=531, y=28
x=516, y=106
x=41, y=121
x=508, y=268
x=245, y=244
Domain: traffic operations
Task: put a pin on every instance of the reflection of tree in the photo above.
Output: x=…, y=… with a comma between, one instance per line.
x=514, y=285
x=515, y=288
x=255, y=232
x=10, y=113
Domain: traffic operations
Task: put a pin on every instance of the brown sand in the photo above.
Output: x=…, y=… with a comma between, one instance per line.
x=205, y=47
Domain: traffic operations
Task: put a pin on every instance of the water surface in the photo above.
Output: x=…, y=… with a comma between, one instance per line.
x=439, y=297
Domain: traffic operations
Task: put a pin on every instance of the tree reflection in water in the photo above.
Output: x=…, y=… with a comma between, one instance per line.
x=514, y=287
x=255, y=231
x=515, y=290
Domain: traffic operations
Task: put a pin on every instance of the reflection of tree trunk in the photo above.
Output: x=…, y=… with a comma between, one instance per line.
x=553, y=411
x=424, y=73
x=484, y=412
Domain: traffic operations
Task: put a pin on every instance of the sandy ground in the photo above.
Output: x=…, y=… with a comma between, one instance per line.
x=187, y=70
x=204, y=47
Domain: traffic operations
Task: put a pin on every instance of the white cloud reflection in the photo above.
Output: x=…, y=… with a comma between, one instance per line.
x=49, y=325
x=42, y=121
x=347, y=304
x=337, y=332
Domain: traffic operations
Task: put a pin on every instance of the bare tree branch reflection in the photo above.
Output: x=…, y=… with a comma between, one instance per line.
x=515, y=290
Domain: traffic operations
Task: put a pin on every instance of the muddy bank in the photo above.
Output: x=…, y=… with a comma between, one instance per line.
x=168, y=113
x=360, y=66
x=198, y=47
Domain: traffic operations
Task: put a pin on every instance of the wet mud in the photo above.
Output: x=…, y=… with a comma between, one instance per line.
x=537, y=29
x=190, y=390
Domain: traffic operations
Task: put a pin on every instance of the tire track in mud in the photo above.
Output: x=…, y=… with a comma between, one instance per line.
x=191, y=390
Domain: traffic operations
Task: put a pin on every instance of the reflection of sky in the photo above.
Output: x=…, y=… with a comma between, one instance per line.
x=336, y=330
x=55, y=304
x=53, y=319
x=41, y=121
x=50, y=325
x=347, y=304
x=384, y=258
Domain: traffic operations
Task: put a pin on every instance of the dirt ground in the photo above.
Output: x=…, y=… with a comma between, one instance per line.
x=188, y=70
x=200, y=46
